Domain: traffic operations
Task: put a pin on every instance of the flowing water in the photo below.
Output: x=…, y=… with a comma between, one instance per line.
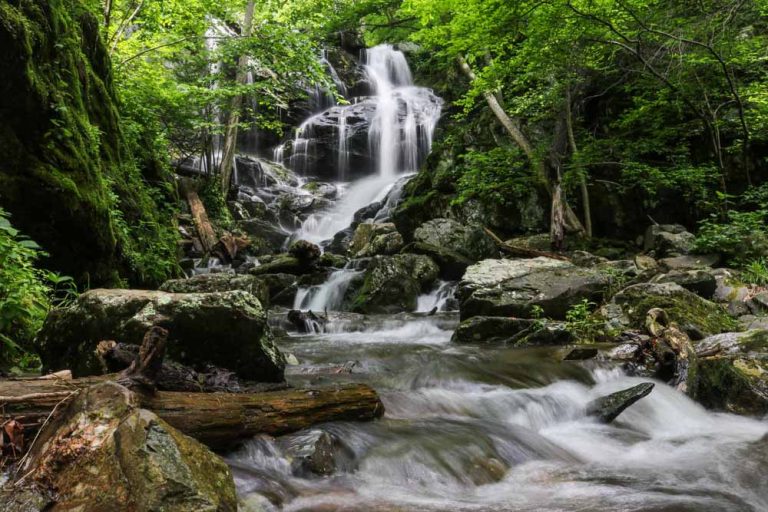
x=475, y=427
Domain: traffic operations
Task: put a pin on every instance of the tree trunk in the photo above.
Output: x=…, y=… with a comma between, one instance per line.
x=220, y=420
x=202, y=223
x=512, y=126
x=582, y=179
x=230, y=135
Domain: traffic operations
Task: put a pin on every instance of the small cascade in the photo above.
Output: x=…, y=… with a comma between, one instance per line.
x=327, y=296
x=343, y=163
x=442, y=298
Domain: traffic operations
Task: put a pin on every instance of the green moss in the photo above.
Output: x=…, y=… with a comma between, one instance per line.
x=722, y=385
x=68, y=175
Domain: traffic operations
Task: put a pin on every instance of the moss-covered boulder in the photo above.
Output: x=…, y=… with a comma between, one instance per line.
x=517, y=287
x=465, y=239
x=220, y=282
x=104, y=453
x=699, y=281
x=732, y=372
x=375, y=240
x=452, y=264
x=226, y=329
x=284, y=264
x=694, y=314
x=392, y=284
x=68, y=176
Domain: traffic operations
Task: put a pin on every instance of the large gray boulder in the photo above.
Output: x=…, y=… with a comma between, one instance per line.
x=452, y=264
x=392, y=284
x=103, y=452
x=695, y=315
x=668, y=240
x=374, y=240
x=732, y=372
x=220, y=282
x=468, y=240
x=226, y=329
x=516, y=287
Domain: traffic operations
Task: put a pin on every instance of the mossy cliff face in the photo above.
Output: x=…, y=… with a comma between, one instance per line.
x=66, y=175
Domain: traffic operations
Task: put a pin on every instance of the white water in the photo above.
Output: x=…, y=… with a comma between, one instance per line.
x=504, y=429
x=326, y=296
x=400, y=136
x=438, y=298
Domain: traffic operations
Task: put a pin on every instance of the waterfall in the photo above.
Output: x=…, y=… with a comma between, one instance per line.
x=400, y=132
x=328, y=295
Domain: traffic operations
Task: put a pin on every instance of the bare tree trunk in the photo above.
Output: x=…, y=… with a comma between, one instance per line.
x=575, y=151
x=230, y=135
x=512, y=126
x=203, y=225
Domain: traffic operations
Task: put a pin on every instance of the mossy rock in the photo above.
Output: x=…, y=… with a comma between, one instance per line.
x=492, y=330
x=226, y=329
x=105, y=453
x=392, y=284
x=629, y=307
x=220, y=282
x=735, y=377
x=67, y=174
x=283, y=264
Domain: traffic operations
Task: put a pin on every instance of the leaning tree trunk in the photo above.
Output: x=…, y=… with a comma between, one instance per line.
x=512, y=126
x=230, y=135
x=575, y=151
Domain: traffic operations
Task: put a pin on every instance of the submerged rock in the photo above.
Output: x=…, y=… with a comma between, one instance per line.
x=516, y=287
x=318, y=452
x=105, y=453
x=608, y=408
x=226, y=329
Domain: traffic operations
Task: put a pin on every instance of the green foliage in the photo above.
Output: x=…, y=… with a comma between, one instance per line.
x=756, y=272
x=25, y=294
x=741, y=237
x=580, y=320
x=495, y=176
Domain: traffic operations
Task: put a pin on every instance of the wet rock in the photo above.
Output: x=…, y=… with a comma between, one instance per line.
x=207, y=283
x=105, y=453
x=306, y=321
x=581, y=354
x=608, y=408
x=366, y=213
x=265, y=233
x=305, y=251
x=318, y=453
x=284, y=264
x=226, y=329
x=321, y=189
x=629, y=307
x=332, y=260
x=668, y=239
x=375, y=239
x=468, y=240
x=700, y=282
x=392, y=284
x=486, y=470
x=492, y=329
x=515, y=287
x=452, y=264
x=732, y=373
x=548, y=334
x=279, y=284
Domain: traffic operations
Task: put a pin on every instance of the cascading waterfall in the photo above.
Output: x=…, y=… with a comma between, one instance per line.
x=399, y=136
x=328, y=295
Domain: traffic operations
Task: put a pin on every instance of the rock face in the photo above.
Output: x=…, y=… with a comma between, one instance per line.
x=629, y=307
x=668, y=240
x=467, y=240
x=226, y=329
x=221, y=282
x=392, y=284
x=514, y=287
x=732, y=373
x=104, y=453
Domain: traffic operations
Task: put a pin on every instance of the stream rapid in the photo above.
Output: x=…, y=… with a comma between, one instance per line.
x=473, y=427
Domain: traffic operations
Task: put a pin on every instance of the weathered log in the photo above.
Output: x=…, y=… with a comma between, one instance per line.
x=219, y=420
x=203, y=225
x=522, y=252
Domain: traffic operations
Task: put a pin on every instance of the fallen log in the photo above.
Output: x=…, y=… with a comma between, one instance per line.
x=220, y=420
x=521, y=252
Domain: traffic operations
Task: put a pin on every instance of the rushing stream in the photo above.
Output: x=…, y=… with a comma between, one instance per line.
x=474, y=427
